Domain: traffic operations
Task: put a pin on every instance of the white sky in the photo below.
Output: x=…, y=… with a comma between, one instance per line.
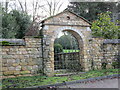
x=41, y=12
x=14, y=3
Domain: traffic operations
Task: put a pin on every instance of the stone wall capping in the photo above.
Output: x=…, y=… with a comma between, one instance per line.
x=111, y=41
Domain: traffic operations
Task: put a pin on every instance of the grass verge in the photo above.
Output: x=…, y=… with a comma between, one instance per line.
x=27, y=81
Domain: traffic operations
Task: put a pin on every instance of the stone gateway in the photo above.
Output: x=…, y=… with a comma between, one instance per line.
x=37, y=54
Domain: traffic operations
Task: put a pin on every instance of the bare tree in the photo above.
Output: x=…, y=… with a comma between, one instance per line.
x=6, y=6
x=37, y=9
x=35, y=6
x=25, y=6
x=52, y=7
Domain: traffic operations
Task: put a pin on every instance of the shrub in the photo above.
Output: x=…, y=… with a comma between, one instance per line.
x=4, y=43
x=37, y=36
x=58, y=48
x=104, y=64
x=115, y=64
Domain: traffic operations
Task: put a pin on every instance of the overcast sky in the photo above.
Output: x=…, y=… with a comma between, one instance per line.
x=14, y=3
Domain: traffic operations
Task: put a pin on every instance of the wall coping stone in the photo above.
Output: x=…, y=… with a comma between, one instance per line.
x=111, y=41
x=16, y=42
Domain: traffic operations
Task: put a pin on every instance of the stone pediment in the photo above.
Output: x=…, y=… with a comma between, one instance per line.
x=66, y=18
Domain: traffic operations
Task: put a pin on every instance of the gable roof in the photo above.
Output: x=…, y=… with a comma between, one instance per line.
x=66, y=10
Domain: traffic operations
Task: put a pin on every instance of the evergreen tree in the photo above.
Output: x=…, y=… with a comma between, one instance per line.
x=14, y=24
x=23, y=21
x=90, y=10
x=67, y=42
x=9, y=25
x=103, y=27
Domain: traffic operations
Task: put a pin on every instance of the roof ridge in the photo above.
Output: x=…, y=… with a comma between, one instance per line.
x=65, y=10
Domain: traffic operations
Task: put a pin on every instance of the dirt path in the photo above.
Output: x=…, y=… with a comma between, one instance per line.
x=107, y=83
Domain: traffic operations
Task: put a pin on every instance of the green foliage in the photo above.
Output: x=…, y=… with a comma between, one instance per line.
x=23, y=22
x=27, y=81
x=9, y=26
x=104, y=64
x=14, y=24
x=37, y=36
x=58, y=48
x=6, y=43
x=93, y=8
x=115, y=64
x=103, y=27
x=67, y=42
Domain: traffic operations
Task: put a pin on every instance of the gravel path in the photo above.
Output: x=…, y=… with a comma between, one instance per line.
x=107, y=83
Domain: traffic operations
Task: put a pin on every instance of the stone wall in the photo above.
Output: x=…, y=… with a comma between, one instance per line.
x=96, y=52
x=26, y=59
x=19, y=60
x=102, y=50
x=111, y=53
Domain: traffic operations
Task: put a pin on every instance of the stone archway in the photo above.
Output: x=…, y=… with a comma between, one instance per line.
x=78, y=26
x=70, y=61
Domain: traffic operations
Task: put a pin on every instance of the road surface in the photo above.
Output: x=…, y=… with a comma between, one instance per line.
x=107, y=83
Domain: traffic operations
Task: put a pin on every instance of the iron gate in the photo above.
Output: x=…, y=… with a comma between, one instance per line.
x=67, y=53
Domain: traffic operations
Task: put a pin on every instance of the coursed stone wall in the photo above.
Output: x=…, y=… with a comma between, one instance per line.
x=20, y=60
x=104, y=50
x=111, y=52
x=27, y=59
x=96, y=52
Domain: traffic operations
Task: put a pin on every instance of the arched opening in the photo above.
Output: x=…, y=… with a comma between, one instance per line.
x=68, y=52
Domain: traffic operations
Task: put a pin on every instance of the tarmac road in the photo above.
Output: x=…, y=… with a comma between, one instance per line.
x=107, y=83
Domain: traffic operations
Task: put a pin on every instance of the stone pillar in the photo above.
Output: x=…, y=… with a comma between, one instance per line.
x=48, y=54
x=97, y=52
x=86, y=58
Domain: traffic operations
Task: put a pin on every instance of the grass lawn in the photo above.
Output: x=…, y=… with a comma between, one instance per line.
x=27, y=81
x=70, y=50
